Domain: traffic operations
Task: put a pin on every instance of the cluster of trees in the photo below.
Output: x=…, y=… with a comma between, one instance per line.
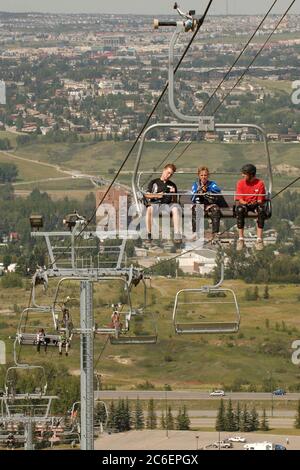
x=253, y=293
x=122, y=417
x=264, y=267
x=5, y=144
x=8, y=172
x=240, y=419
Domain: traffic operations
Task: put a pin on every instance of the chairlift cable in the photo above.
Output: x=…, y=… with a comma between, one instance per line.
x=199, y=24
x=255, y=57
x=101, y=352
x=238, y=57
x=286, y=187
x=221, y=83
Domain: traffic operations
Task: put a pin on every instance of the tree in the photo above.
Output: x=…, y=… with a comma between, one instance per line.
x=138, y=416
x=254, y=420
x=112, y=416
x=264, y=425
x=163, y=421
x=8, y=172
x=220, y=421
x=183, y=420
x=151, y=419
x=237, y=417
x=100, y=413
x=229, y=417
x=266, y=294
x=245, y=425
x=297, y=420
x=169, y=419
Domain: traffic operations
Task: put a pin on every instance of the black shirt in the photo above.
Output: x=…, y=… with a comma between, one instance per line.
x=159, y=186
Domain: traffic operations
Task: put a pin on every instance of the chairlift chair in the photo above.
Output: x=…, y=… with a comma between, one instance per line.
x=182, y=308
x=27, y=331
x=193, y=124
x=136, y=334
x=11, y=376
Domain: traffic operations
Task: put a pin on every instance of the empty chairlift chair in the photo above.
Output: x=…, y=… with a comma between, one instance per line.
x=206, y=310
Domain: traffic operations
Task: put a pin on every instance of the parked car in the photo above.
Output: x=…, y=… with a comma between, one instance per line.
x=217, y=393
x=222, y=445
x=279, y=391
x=237, y=439
x=279, y=447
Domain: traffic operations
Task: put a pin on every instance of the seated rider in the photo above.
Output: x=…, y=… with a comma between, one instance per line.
x=115, y=319
x=63, y=341
x=203, y=193
x=250, y=197
x=41, y=340
x=160, y=192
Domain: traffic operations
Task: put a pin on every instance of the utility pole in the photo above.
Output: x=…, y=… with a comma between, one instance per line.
x=87, y=365
x=166, y=403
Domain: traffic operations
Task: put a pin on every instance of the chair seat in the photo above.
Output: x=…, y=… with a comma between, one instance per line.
x=206, y=327
x=30, y=339
x=133, y=339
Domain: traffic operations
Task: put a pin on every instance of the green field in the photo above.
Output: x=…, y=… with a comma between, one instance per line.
x=102, y=159
x=263, y=344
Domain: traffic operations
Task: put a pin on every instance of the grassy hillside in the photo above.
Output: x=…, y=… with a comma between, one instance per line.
x=105, y=157
x=262, y=347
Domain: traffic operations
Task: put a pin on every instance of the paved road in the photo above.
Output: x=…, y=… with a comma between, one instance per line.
x=189, y=395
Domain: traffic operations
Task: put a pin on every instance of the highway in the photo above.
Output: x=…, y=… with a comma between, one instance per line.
x=189, y=395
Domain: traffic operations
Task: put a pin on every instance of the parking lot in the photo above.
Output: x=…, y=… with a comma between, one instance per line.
x=184, y=440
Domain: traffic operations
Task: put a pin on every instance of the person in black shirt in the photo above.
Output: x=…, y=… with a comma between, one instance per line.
x=163, y=191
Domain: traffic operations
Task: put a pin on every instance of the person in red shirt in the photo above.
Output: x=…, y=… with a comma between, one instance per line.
x=250, y=197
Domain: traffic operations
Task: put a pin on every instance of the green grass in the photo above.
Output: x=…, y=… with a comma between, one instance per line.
x=30, y=171
x=12, y=137
x=100, y=158
x=200, y=362
x=274, y=85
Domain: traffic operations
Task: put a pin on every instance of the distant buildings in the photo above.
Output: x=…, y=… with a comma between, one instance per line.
x=2, y=92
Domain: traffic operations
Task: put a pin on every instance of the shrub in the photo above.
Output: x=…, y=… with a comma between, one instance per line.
x=11, y=280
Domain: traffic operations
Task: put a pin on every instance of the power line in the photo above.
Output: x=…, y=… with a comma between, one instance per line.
x=286, y=187
x=199, y=24
x=238, y=57
x=255, y=57
x=247, y=68
x=221, y=83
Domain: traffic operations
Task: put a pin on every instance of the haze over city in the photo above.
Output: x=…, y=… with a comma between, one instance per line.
x=144, y=7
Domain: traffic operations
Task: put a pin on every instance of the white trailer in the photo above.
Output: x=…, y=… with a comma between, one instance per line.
x=259, y=446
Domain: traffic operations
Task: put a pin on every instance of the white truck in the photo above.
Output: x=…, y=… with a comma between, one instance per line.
x=259, y=446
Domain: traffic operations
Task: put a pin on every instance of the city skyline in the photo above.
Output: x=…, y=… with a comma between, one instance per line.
x=144, y=7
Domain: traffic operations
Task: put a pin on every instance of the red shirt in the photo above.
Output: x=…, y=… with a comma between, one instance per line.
x=254, y=187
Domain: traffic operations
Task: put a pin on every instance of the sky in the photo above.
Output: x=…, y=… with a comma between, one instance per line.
x=152, y=7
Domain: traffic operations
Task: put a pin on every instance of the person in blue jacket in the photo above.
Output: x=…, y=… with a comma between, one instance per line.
x=203, y=191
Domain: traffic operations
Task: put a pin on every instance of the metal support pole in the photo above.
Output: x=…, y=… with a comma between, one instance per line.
x=28, y=435
x=87, y=365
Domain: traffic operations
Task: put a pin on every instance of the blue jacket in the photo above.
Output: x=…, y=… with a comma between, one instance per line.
x=211, y=187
